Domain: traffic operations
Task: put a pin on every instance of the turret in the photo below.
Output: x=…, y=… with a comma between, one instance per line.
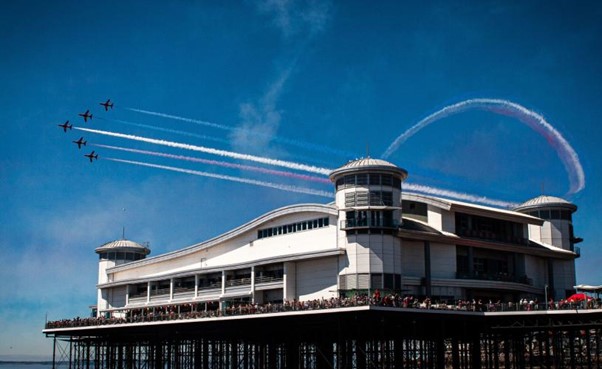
x=557, y=230
x=112, y=254
x=368, y=198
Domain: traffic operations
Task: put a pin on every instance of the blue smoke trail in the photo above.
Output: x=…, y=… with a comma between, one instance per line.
x=301, y=144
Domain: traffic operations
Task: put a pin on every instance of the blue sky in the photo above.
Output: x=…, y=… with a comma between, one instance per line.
x=312, y=82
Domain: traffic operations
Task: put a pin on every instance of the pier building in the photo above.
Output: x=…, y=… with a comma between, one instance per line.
x=378, y=278
x=374, y=236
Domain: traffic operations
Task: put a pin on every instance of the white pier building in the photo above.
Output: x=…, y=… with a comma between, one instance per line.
x=373, y=236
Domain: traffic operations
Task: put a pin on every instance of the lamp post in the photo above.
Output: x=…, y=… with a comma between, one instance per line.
x=546, y=295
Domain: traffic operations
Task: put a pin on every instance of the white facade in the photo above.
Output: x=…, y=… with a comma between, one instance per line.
x=439, y=248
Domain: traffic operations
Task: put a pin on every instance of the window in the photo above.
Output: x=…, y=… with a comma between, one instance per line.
x=293, y=227
x=362, y=179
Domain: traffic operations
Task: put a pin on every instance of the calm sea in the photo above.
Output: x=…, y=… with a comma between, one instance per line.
x=9, y=365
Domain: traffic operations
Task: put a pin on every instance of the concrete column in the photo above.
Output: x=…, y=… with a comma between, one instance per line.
x=196, y=286
x=427, y=269
x=170, y=289
x=253, y=284
x=223, y=282
x=148, y=291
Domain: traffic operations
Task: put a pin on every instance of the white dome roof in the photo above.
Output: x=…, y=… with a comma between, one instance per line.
x=123, y=245
x=370, y=164
x=545, y=201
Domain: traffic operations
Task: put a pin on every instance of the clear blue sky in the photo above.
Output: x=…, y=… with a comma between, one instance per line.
x=310, y=82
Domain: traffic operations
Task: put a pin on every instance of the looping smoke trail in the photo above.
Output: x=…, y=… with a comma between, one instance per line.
x=566, y=153
x=458, y=196
x=220, y=163
x=304, y=145
x=288, y=188
x=207, y=150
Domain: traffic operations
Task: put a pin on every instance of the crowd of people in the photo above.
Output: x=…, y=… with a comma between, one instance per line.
x=202, y=310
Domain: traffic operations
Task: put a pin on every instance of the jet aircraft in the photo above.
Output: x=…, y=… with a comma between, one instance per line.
x=91, y=156
x=86, y=115
x=80, y=142
x=66, y=126
x=108, y=104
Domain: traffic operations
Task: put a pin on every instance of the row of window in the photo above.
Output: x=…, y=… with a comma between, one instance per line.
x=552, y=214
x=368, y=198
x=129, y=256
x=365, y=179
x=370, y=218
x=293, y=227
x=371, y=281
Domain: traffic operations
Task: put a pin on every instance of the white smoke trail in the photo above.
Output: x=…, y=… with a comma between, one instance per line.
x=301, y=144
x=288, y=188
x=567, y=154
x=208, y=150
x=220, y=163
x=168, y=130
x=458, y=196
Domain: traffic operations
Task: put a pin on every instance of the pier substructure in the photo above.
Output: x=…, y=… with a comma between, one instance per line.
x=362, y=338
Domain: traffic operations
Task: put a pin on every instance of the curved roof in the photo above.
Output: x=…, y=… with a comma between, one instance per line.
x=368, y=164
x=123, y=245
x=253, y=224
x=545, y=201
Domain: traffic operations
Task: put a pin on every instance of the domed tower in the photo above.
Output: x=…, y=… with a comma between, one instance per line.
x=112, y=254
x=557, y=230
x=558, y=215
x=368, y=198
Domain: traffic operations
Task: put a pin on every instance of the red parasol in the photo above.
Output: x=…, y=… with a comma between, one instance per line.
x=578, y=297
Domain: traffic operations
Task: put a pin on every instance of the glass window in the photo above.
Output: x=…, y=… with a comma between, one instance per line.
x=387, y=180
x=389, y=281
x=376, y=281
x=555, y=214
x=349, y=181
x=340, y=184
x=362, y=179
x=545, y=214
x=565, y=215
x=375, y=179
x=387, y=198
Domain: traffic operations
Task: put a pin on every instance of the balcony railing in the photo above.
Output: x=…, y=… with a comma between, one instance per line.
x=502, y=277
x=238, y=282
x=491, y=236
x=268, y=279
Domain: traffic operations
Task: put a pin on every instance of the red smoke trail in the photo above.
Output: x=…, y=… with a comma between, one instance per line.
x=565, y=151
x=221, y=164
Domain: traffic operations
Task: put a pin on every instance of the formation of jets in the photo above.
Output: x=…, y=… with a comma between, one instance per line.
x=86, y=115
x=91, y=156
x=66, y=126
x=108, y=104
x=80, y=142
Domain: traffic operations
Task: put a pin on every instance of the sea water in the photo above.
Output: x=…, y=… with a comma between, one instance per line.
x=28, y=365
